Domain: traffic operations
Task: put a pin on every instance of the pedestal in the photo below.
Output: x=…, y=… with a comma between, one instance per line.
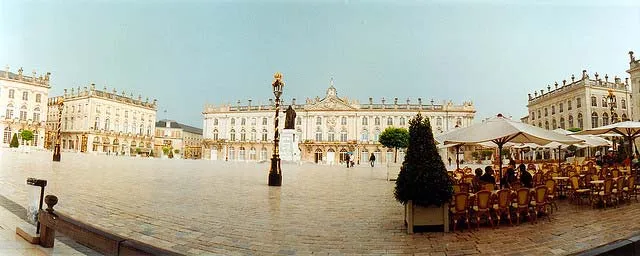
x=289, y=150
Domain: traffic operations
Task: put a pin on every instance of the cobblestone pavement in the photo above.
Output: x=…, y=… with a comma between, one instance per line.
x=203, y=207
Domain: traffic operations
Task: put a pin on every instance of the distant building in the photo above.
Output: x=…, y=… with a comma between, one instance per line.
x=634, y=72
x=176, y=136
x=329, y=127
x=581, y=103
x=103, y=122
x=23, y=105
x=525, y=119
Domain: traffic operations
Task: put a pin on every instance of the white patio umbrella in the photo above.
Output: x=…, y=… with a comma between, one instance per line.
x=501, y=130
x=630, y=130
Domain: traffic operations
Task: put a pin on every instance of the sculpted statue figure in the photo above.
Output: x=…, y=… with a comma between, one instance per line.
x=289, y=121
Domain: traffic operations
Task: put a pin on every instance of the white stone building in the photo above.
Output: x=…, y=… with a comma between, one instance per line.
x=106, y=122
x=581, y=103
x=329, y=127
x=23, y=105
x=634, y=72
x=173, y=135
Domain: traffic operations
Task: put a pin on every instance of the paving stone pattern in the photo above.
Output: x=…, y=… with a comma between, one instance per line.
x=203, y=208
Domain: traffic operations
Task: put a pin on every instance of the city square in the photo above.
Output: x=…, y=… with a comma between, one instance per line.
x=203, y=207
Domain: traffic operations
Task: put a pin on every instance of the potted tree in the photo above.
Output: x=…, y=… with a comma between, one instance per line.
x=423, y=186
x=165, y=152
x=176, y=153
x=394, y=137
x=14, y=141
x=27, y=137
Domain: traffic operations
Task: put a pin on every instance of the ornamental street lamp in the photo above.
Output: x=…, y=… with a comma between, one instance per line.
x=275, y=173
x=56, y=149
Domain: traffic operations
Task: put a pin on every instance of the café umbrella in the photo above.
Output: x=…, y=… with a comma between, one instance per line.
x=500, y=130
x=630, y=130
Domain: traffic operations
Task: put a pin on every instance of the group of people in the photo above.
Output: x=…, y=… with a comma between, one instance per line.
x=372, y=160
x=508, y=179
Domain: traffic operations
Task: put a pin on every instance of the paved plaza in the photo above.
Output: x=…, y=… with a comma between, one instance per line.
x=200, y=207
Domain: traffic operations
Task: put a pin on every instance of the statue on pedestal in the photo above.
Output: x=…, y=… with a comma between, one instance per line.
x=289, y=122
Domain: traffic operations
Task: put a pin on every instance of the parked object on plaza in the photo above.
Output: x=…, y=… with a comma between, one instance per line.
x=14, y=141
x=36, y=197
x=500, y=130
x=423, y=185
x=629, y=130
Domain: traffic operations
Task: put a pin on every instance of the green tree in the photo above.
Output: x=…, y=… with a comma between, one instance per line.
x=26, y=135
x=176, y=151
x=423, y=176
x=14, y=141
x=393, y=137
x=574, y=129
x=166, y=150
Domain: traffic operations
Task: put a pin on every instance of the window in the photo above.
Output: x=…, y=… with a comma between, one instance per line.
x=66, y=123
x=546, y=112
x=318, y=120
x=624, y=117
x=126, y=114
x=365, y=121
x=580, y=122
x=215, y=121
x=364, y=136
x=578, y=103
x=23, y=113
x=264, y=121
x=243, y=135
x=533, y=115
x=25, y=95
x=71, y=123
x=36, y=116
x=343, y=136
x=343, y=120
x=554, y=124
x=253, y=134
x=106, y=124
x=376, y=135
x=389, y=121
x=298, y=121
x=215, y=134
x=6, y=137
x=614, y=118
x=38, y=98
x=605, y=119
x=561, y=108
x=11, y=93
x=233, y=121
x=562, y=122
x=264, y=134
x=263, y=154
x=624, y=104
x=243, y=121
x=594, y=119
x=401, y=120
x=232, y=135
x=9, y=112
x=569, y=105
x=571, y=121
x=539, y=115
x=553, y=110
x=594, y=101
x=331, y=135
x=318, y=134
x=376, y=121
x=253, y=121
x=125, y=127
x=546, y=125
x=604, y=102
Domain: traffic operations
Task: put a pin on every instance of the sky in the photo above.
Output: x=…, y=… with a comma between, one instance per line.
x=190, y=53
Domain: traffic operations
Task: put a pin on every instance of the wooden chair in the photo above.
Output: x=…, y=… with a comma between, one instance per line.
x=539, y=204
x=605, y=194
x=501, y=206
x=551, y=194
x=615, y=173
x=488, y=186
x=467, y=170
x=456, y=188
x=483, y=200
x=522, y=204
x=460, y=209
x=468, y=178
x=575, y=192
x=617, y=192
x=630, y=190
x=537, y=179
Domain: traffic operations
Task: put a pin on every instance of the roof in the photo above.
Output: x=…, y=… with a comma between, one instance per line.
x=11, y=75
x=174, y=124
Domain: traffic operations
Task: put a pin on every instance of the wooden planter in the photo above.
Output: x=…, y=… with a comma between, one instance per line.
x=420, y=216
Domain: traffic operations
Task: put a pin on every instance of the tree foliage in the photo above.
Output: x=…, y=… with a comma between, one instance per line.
x=26, y=135
x=423, y=177
x=574, y=129
x=14, y=141
x=394, y=137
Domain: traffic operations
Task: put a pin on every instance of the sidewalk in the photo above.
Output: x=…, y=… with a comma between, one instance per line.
x=12, y=244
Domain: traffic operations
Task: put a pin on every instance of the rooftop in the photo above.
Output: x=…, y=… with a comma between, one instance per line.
x=174, y=124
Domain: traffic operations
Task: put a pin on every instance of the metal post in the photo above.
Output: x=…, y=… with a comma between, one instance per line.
x=275, y=173
x=56, y=149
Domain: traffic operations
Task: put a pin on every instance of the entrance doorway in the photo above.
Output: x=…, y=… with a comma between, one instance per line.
x=318, y=156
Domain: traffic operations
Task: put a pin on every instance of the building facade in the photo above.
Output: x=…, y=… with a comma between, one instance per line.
x=583, y=103
x=173, y=135
x=634, y=73
x=100, y=121
x=328, y=128
x=23, y=102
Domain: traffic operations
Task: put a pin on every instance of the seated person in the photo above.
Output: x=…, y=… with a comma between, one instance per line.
x=525, y=177
x=476, y=179
x=509, y=178
x=488, y=176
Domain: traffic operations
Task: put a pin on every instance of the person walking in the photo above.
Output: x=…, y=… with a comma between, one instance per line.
x=449, y=161
x=348, y=160
x=372, y=159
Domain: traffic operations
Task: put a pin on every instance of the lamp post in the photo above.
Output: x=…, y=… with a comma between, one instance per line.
x=56, y=149
x=275, y=173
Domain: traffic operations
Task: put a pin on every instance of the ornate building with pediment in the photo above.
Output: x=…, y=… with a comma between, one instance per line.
x=328, y=128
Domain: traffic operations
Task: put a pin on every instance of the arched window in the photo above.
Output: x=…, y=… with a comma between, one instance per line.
x=318, y=134
x=554, y=124
x=96, y=124
x=264, y=135
x=215, y=121
x=571, y=121
x=533, y=116
x=318, y=120
x=252, y=153
x=376, y=135
x=148, y=130
x=364, y=135
x=546, y=112
x=605, y=119
x=141, y=129
x=215, y=134
x=253, y=134
x=569, y=105
x=36, y=114
x=546, y=125
x=376, y=120
x=553, y=110
x=9, y=112
x=561, y=107
x=125, y=127
x=6, y=137
x=614, y=118
x=389, y=121
x=439, y=121
x=562, y=123
x=243, y=135
x=365, y=121
x=232, y=135
x=604, y=102
x=232, y=154
x=23, y=113
x=580, y=121
x=401, y=120
x=540, y=124
x=241, y=155
x=624, y=104
x=343, y=120
x=594, y=119
x=459, y=122
x=263, y=154
x=343, y=136
x=107, y=122
x=594, y=101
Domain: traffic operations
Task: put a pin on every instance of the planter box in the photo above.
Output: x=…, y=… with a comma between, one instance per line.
x=420, y=216
x=393, y=169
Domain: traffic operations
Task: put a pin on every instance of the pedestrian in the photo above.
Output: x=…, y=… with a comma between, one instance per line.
x=372, y=159
x=348, y=160
x=449, y=161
